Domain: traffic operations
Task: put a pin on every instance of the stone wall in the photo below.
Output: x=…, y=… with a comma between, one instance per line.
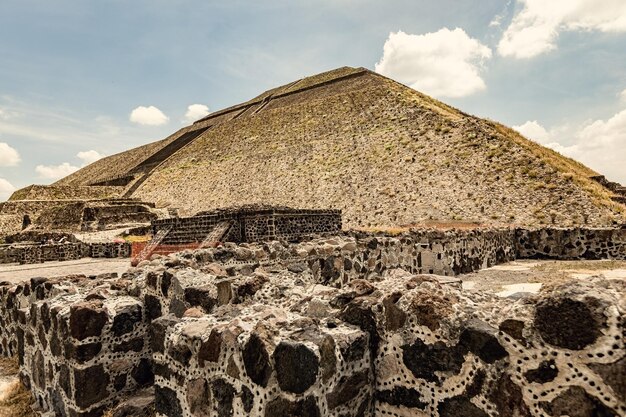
x=81, y=343
x=352, y=325
x=252, y=225
x=339, y=259
x=97, y=346
x=409, y=345
x=103, y=216
x=56, y=192
x=572, y=243
x=32, y=207
x=109, y=250
x=34, y=253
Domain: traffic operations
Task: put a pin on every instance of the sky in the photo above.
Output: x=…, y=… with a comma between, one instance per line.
x=80, y=80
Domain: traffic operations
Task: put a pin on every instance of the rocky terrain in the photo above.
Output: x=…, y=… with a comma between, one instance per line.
x=347, y=325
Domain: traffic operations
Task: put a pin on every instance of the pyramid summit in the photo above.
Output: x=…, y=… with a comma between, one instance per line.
x=351, y=139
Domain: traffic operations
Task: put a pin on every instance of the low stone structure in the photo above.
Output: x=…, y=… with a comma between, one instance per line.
x=350, y=325
x=38, y=253
x=251, y=224
x=571, y=243
x=238, y=225
x=82, y=351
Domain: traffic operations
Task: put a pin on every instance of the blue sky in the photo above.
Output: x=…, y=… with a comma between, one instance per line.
x=73, y=72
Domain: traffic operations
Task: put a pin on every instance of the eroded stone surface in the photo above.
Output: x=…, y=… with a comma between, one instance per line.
x=286, y=339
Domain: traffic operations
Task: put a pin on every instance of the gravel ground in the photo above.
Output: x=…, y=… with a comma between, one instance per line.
x=8, y=378
x=86, y=266
x=523, y=275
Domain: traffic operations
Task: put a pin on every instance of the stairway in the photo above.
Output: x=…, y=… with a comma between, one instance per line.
x=151, y=246
x=217, y=234
x=144, y=169
x=618, y=190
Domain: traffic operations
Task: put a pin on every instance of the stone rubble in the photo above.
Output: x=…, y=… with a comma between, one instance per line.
x=351, y=325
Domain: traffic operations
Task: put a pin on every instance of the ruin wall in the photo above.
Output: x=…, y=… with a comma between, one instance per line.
x=571, y=243
x=58, y=192
x=38, y=253
x=252, y=225
x=341, y=326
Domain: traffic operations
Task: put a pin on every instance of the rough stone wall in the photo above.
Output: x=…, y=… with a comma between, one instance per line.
x=14, y=298
x=240, y=360
x=109, y=250
x=102, y=217
x=573, y=243
x=337, y=260
x=82, y=344
x=284, y=345
x=227, y=366
x=281, y=329
x=55, y=192
x=61, y=216
x=446, y=353
x=249, y=225
x=32, y=207
x=290, y=226
x=33, y=254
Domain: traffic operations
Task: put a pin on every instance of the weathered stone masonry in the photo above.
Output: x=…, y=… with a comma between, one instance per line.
x=38, y=253
x=251, y=224
x=339, y=326
x=81, y=342
x=572, y=243
x=421, y=348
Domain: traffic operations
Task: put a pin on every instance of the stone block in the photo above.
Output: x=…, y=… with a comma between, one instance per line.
x=264, y=361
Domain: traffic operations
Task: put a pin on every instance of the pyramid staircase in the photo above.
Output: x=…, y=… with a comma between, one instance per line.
x=142, y=171
x=616, y=188
x=217, y=234
x=147, y=251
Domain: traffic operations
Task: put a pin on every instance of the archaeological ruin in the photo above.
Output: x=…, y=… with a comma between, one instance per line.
x=308, y=253
x=355, y=324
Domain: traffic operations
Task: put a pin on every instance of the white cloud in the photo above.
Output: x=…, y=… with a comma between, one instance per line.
x=196, y=112
x=536, y=26
x=6, y=189
x=55, y=172
x=445, y=63
x=622, y=95
x=533, y=130
x=9, y=157
x=89, y=157
x=150, y=116
x=599, y=144
x=7, y=114
x=496, y=21
x=608, y=135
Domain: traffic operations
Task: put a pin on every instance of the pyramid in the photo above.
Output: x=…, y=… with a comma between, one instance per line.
x=354, y=140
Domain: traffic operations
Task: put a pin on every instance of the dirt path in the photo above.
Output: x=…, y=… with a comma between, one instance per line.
x=86, y=266
x=525, y=276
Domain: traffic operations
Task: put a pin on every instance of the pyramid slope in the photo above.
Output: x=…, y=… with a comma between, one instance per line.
x=383, y=153
x=117, y=165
